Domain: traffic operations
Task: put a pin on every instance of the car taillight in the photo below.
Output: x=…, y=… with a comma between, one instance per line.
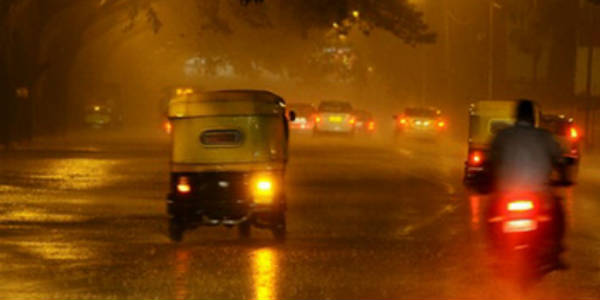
x=520, y=205
x=183, y=185
x=318, y=119
x=371, y=125
x=352, y=121
x=403, y=121
x=476, y=158
x=441, y=124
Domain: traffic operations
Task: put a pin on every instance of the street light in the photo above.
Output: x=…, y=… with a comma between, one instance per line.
x=356, y=14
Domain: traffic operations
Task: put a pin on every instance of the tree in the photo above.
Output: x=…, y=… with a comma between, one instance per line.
x=396, y=16
x=39, y=38
x=532, y=28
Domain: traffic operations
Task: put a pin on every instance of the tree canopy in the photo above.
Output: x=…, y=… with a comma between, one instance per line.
x=399, y=17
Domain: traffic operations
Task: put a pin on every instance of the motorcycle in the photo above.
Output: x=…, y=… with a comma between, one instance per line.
x=525, y=231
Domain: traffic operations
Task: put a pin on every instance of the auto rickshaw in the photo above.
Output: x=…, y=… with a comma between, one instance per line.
x=486, y=118
x=568, y=136
x=229, y=153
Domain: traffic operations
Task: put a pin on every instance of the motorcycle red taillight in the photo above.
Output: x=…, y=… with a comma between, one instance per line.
x=521, y=225
x=520, y=216
x=520, y=206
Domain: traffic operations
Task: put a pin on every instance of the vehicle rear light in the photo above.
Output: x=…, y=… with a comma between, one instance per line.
x=371, y=125
x=183, y=185
x=520, y=205
x=573, y=133
x=318, y=119
x=521, y=225
x=264, y=190
x=476, y=158
x=441, y=124
x=168, y=127
x=352, y=121
x=403, y=121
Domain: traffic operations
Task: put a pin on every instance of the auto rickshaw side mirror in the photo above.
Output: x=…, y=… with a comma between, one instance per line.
x=292, y=116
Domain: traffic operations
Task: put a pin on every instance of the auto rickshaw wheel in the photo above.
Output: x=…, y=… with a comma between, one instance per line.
x=244, y=229
x=279, y=229
x=176, y=230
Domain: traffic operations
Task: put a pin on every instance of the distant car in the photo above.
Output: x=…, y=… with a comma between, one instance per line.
x=335, y=117
x=419, y=121
x=100, y=116
x=305, y=117
x=102, y=107
x=365, y=123
x=569, y=137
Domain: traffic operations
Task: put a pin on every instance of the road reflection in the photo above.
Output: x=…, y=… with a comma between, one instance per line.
x=475, y=204
x=569, y=202
x=79, y=173
x=264, y=273
x=182, y=276
x=55, y=250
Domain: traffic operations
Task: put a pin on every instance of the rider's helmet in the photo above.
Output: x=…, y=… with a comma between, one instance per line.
x=525, y=112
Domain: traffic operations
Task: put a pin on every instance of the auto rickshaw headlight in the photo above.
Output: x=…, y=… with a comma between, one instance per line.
x=263, y=190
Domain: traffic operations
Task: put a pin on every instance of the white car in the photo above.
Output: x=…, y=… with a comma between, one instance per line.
x=335, y=117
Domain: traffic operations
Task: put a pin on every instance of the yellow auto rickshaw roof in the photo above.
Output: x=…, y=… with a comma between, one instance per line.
x=226, y=103
x=501, y=108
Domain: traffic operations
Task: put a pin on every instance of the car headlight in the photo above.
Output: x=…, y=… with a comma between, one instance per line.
x=263, y=189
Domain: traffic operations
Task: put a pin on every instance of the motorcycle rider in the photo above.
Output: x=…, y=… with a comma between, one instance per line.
x=523, y=158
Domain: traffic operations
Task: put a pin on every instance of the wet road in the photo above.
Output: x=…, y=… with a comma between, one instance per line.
x=365, y=220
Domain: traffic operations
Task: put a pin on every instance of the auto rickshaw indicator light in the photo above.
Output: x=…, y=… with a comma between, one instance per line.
x=264, y=185
x=168, y=127
x=263, y=190
x=183, y=185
